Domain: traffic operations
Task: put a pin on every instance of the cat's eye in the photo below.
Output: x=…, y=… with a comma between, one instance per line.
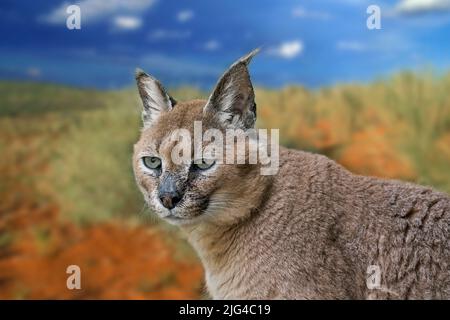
x=152, y=162
x=203, y=164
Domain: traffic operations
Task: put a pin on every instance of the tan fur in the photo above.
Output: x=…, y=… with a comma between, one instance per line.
x=309, y=232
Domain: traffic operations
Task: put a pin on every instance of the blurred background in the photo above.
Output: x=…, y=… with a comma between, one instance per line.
x=375, y=100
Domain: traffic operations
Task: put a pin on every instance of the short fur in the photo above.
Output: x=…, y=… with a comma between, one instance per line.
x=309, y=232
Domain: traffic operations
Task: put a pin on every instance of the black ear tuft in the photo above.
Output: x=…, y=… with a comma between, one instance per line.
x=249, y=56
x=139, y=73
x=155, y=98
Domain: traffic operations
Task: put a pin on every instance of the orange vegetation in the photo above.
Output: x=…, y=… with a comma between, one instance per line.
x=117, y=261
x=370, y=152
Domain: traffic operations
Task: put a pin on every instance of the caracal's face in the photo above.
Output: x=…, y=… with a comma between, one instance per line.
x=185, y=192
x=178, y=192
x=178, y=181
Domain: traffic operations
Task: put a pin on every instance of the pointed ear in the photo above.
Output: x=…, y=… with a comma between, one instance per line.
x=154, y=97
x=233, y=100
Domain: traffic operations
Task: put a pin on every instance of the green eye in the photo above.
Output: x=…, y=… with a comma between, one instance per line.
x=204, y=164
x=152, y=162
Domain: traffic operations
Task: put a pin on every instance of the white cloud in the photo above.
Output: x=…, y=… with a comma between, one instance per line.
x=351, y=46
x=164, y=34
x=127, y=22
x=185, y=15
x=422, y=6
x=382, y=44
x=300, y=12
x=211, y=45
x=287, y=50
x=95, y=10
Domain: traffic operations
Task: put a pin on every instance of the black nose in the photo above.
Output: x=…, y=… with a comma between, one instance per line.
x=170, y=199
x=169, y=192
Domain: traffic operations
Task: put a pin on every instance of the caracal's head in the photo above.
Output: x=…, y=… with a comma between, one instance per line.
x=186, y=180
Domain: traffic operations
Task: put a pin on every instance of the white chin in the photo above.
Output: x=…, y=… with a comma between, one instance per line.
x=174, y=220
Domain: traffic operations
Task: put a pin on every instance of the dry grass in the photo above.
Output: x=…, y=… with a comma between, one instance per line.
x=68, y=194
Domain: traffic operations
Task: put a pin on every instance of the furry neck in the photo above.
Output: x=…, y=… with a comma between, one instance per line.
x=220, y=238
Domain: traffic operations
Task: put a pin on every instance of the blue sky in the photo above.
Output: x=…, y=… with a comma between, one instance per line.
x=312, y=43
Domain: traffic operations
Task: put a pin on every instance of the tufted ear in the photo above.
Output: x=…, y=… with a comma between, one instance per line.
x=233, y=100
x=154, y=97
